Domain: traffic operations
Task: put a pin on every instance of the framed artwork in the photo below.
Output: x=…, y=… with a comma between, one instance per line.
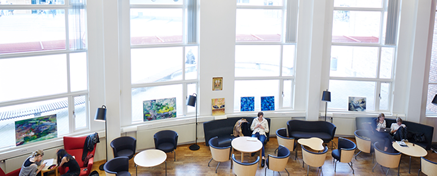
x=268, y=103
x=159, y=109
x=247, y=104
x=35, y=129
x=217, y=83
x=357, y=104
x=218, y=106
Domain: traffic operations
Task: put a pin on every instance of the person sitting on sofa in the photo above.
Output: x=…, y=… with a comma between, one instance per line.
x=398, y=130
x=260, y=127
x=32, y=165
x=379, y=136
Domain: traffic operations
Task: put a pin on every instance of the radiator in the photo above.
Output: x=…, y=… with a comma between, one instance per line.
x=14, y=163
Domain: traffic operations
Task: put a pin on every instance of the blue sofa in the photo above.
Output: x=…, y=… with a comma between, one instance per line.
x=224, y=129
x=307, y=129
x=362, y=123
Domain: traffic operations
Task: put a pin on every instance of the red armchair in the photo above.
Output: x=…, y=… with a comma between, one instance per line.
x=74, y=147
x=16, y=172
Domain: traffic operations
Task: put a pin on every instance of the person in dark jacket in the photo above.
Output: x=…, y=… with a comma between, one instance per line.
x=66, y=160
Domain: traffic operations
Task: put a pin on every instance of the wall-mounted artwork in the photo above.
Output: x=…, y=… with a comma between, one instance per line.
x=159, y=109
x=247, y=104
x=357, y=104
x=218, y=106
x=268, y=103
x=217, y=83
x=35, y=129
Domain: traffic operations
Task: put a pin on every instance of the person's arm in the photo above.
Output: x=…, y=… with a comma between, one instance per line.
x=252, y=127
x=392, y=128
x=64, y=160
x=266, y=126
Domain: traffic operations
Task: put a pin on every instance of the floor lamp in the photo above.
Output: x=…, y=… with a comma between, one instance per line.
x=101, y=116
x=326, y=97
x=192, y=102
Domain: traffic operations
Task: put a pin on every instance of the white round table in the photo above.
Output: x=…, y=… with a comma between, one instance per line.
x=150, y=158
x=412, y=151
x=246, y=145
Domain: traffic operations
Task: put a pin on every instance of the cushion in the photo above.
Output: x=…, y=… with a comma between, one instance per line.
x=166, y=147
x=123, y=173
x=125, y=152
x=298, y=134
x=336, y=154
x=224, y=141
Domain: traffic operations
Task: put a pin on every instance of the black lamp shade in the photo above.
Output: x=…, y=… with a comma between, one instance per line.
x=192, y=100
x=101, y=114
x=434, y=101
x=326, y=96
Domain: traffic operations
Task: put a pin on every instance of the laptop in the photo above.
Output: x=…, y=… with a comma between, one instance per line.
x=386, y=130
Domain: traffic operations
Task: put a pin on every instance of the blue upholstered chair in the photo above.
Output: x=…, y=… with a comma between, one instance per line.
x=118, y=166
x=219, y=153
x=313, y=159
x=124, y=146
x=284, y=140
x=344, y=152
x=427, y=167
x=167, y=141
x=279, y=162
x=244, y=169
x=386, y=159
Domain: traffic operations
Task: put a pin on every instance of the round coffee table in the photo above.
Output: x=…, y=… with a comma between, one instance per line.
x=246, y=145
x=412, y=151
x=150, y=158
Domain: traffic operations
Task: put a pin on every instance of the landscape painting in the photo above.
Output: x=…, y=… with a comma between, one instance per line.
x=35, y=129
x=218, y=106
x=247, y=104
x=357, y=104
x=159, y=109
x=268, y=103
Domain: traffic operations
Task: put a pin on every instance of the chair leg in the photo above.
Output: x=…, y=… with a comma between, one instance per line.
x=352, y=167
x=357, y=154
x=418, y=173
x=335, y=166
x=289, y=173
x=265, y=171
x=209, y=162
x=174, y=155
x=374, y=167
x=217, y=167
x=308, y=169
x=321, y=171
x=388, y=169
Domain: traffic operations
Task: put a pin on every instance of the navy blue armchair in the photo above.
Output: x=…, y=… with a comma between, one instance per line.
x=279, y=162
x=124, y=146
x=241, y=168
x=118, y=166
x=167, y=141
x=344, y=152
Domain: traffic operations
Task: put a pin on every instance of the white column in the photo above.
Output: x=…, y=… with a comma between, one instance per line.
x=217, y=52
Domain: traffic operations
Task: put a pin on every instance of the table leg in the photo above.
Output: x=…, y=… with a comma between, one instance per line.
x=260, y=158
x=409, y=167
x=165, y=168
x=232, y=152
x=136, y=170
x=242, y=157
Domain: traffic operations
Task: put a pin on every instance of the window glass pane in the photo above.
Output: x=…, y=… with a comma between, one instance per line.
x=191, y=59
x=358, y=3
x=354, y=61
x=78, y=72
x=155, y=26
x=259, y=25
x=356, y=27
x=287, y=94
x=255, y=88
x=157, y=92
x=385, y=95
x=257, y=60
x=80, y=112
x=32, y=77
x=32, y=30
x=156, y=2
x=387, y=56
x=10, y=114
x=288, y=60
x=156, y=64
x=260, y=2
x=25, y=2
x=433, y=63
x=342, y=90
x=432, y=91
x=191, y=88
x=78, y=28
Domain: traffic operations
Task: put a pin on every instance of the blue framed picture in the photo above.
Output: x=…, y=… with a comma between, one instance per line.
x=247, y=104
x=268, y=103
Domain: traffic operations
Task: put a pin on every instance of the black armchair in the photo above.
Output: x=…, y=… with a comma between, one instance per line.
x=279, y=162
x=118, y=166
x=124, y=146
x=167, y=141
x=344, y=152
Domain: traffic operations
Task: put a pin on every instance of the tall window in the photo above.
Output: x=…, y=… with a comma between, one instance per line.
x=265, y=51
x=431, y=109
x=164, y=52
x=43, y=64
x=363, y=53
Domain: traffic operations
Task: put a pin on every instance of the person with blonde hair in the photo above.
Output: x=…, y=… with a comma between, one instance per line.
x=398, y=130
x=32, y=165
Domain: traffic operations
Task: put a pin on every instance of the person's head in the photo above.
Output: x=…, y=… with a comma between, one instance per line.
x=60, y=154
x=399, y=121
x=381, y=117
x=37, y=155
x=260, y=114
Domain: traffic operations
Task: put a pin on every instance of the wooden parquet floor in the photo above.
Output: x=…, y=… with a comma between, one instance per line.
x=196, y=163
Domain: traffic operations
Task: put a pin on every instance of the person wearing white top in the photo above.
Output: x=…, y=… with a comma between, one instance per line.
x=398, y=130
x=260, y=127
x=382, y=137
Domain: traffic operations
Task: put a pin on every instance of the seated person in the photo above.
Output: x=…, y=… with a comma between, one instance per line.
x=260, y=127
x=32, y=165
x=66, y=160
x=377, y=125
x=398, y=130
